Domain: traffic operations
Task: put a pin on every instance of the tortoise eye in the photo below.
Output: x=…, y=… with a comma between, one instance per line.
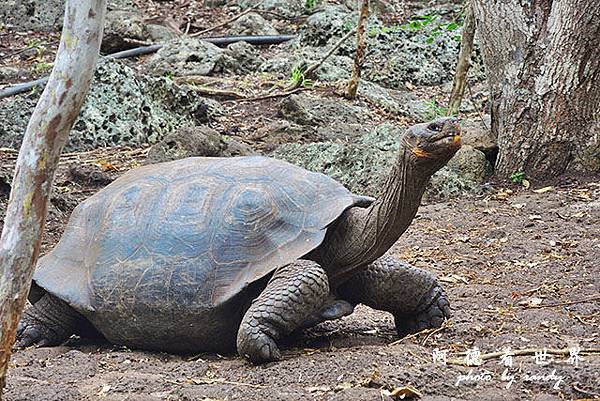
x=435, y=127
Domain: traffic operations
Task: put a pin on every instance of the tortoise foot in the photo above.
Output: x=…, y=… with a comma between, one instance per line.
x=433, y=309
x=294, y=293
x=48, y=322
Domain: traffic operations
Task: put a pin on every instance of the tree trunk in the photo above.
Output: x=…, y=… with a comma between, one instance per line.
x=44, y=139
x=361, y=45
x=464, y=62
x=544, y=74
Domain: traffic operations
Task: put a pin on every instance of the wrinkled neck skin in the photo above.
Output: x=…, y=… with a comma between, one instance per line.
x=361, y=235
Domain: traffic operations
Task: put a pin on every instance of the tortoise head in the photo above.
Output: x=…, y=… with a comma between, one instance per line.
x=431, y=145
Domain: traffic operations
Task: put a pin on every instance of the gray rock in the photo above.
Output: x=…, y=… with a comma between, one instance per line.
x=334, y=68
x=43, y=15
x=247, y=58
x=187, y=142
x=327, y=24
x=122, y=108
x=195, y=141
x=395, y=101
x=362, y=165
x=288, y=8
x=188, y=56
x=10, y=74
x=478, y=135
x=123, y=30
x=160, y=33
x=252, y=24
x=305, y=109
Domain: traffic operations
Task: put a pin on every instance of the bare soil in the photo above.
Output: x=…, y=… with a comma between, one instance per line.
x=520, y=267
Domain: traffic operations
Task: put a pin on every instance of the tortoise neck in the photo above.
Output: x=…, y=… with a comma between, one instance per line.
x=361, y=235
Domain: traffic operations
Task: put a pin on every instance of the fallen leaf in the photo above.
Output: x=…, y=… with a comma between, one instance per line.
x=403, y=392
x=535, y=217
x=543, y=190
x=531, y=302
x=525, y=184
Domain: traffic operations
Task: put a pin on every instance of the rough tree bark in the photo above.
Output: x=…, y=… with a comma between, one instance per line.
x=464, y=62
x=544, y=74
x=44, y=139
x=361, y=45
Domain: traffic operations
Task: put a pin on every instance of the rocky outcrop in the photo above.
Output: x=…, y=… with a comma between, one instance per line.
x=195, y=141
x=122, y=108
x=44, y=15
x=362, y=165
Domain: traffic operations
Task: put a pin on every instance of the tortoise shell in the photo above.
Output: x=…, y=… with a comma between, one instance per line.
x=190, y=233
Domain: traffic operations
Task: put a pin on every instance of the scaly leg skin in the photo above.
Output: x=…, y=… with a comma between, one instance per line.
x=412, y=295
x=49, y=321
x=294, y=293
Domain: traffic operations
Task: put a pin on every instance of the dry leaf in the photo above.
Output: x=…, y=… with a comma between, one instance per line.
x=403, y=392
x=531, y=302
x=543, y=190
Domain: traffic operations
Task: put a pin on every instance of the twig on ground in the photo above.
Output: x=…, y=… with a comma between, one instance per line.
x=578, y=301
x=318, y=64
x=428, y=332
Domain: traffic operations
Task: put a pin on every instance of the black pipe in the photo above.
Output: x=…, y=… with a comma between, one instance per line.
x=218, y=41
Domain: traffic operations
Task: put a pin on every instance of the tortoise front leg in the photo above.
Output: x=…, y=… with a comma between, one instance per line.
x=294, y=293
x=412, y=295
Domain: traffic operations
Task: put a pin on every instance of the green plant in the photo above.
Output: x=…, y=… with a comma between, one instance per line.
x=435, y=110
x=42, y=67
x=517, y=177
x=38, y=46
x=426, y=22
x=310, y=4
x=297, y=78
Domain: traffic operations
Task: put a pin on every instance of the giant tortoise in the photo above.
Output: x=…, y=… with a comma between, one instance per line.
x=206, y=254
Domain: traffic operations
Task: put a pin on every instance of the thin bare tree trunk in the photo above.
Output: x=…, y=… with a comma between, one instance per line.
x=361, y=45
x=464, y=62
x=44, y=139
x=543, y=69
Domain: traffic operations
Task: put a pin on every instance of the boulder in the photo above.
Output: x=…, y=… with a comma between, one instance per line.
x=195, y=141
x=335, y=68
x=399, y=102
x=252, y=24
x=287, y=8
x=478, y=134
x=363, y=164
x=123, y=30
x=187, y=56
x=122, y=108
x=44, y=15
x=247, y=58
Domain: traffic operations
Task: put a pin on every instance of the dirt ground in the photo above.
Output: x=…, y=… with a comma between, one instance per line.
x=520, y=267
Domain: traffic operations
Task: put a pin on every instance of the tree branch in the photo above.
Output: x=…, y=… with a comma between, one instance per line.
x=360, y=51
x=464, y=62
x=44, y=139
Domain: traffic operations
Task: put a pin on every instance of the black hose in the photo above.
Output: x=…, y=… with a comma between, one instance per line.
x=218, y=41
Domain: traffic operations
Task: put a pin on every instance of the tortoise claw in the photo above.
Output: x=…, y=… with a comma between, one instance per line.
x=434, y=311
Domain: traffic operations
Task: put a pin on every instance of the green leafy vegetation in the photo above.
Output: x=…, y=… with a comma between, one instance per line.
x=42, y=67
x=429, y=23
x=297, y=78
x=435, y=110
x=517, y=177
x=310, y=4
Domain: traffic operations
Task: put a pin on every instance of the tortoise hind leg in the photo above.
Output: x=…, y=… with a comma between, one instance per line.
x=412, y=295
x=49, y=321
x=294, y=293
